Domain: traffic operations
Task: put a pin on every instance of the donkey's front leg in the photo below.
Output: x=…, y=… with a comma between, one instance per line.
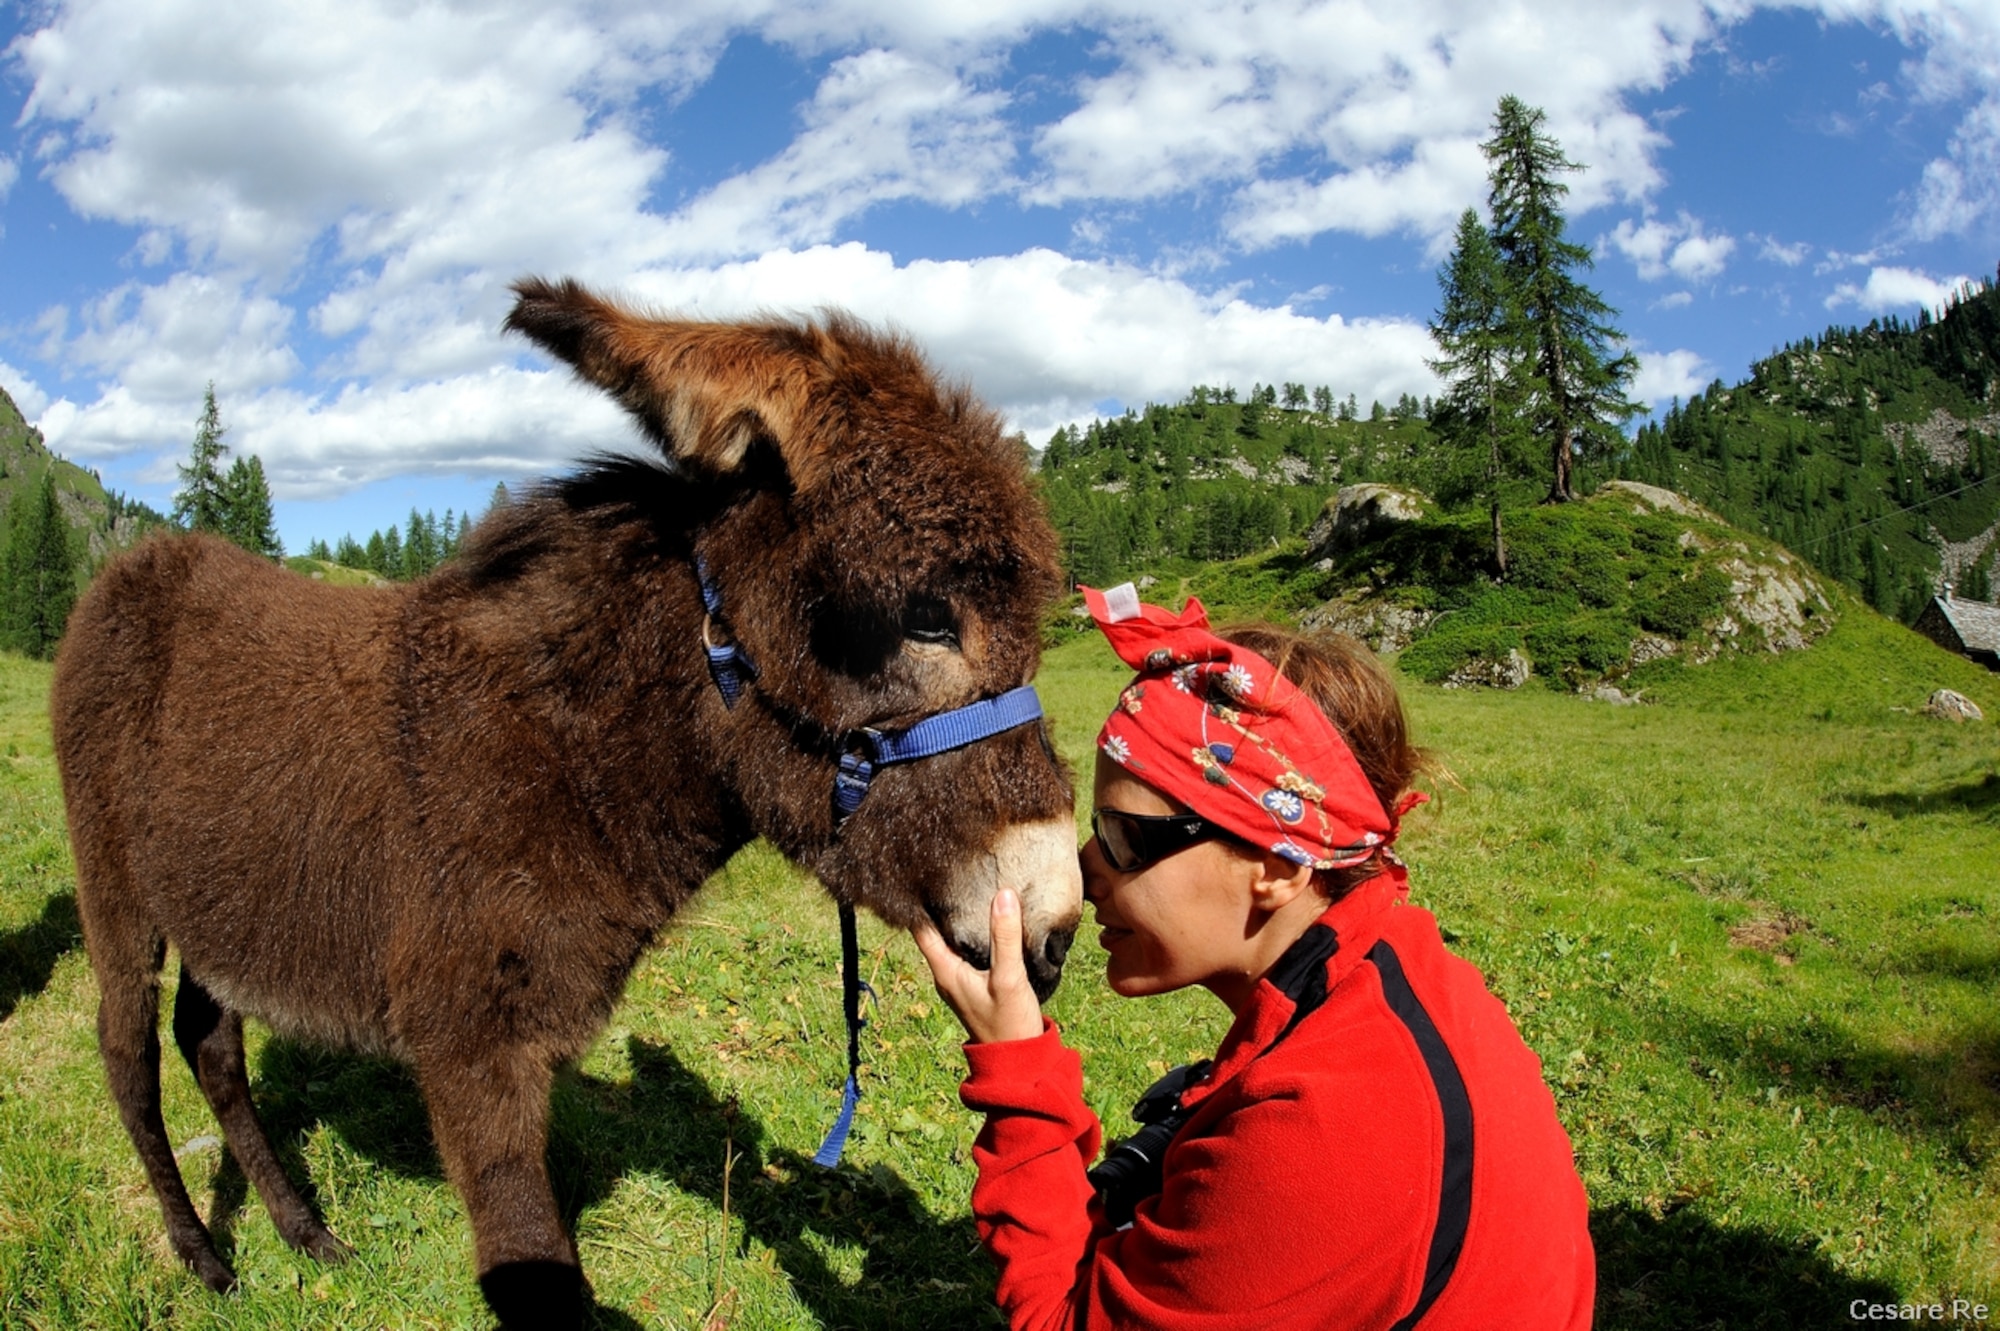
x=490, y=1117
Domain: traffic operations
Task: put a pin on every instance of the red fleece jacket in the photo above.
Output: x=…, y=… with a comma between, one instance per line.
x=1307, y=1187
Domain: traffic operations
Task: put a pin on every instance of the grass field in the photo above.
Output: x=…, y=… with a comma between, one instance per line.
x=1751, y=931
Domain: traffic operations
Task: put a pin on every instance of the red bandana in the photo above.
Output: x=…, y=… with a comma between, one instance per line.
x=1218, y=728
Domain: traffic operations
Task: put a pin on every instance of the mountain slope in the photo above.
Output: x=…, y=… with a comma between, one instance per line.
x=1873, y=452
x=104, y=521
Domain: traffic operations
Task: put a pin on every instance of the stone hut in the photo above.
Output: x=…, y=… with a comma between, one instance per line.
x=1970, y=628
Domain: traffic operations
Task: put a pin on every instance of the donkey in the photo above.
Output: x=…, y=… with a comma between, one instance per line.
x=442, y=821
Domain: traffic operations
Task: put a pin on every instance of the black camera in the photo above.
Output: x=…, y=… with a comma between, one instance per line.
x=1130, y=1171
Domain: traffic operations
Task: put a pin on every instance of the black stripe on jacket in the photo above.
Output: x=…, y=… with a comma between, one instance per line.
x=1455, y=1188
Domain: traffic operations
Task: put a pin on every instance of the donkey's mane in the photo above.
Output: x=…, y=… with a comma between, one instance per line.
x=608, y=490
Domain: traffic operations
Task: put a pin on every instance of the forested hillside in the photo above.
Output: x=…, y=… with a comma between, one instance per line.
x=1870, y=451
x=1212, y=477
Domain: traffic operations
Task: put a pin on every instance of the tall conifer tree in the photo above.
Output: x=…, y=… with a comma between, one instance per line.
x=247, y=518
x=41, y=570
x=1573, y=375
x=201, y=503
x=1477, y=359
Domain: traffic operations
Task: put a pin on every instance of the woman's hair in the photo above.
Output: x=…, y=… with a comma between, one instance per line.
x=1355, y=692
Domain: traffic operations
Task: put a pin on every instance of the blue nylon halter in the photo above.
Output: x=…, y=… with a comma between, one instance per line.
x=939, y=733
x=727, y=665
x=864, y=752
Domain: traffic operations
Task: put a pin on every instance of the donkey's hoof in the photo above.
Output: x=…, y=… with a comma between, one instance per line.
x=213, y=1272
x=323, y=1245
x=544, y=1296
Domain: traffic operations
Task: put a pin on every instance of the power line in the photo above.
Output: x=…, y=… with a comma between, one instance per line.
x=1897, y=512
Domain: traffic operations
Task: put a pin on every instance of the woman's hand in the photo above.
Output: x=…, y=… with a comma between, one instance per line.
x=996, y=1004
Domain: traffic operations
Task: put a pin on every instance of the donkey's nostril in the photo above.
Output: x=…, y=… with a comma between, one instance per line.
x=1056, y=949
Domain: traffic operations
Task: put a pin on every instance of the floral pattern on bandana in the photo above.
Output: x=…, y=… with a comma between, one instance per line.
x=1284, y=803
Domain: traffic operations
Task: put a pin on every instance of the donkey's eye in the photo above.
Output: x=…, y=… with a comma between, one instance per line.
x=929, y=620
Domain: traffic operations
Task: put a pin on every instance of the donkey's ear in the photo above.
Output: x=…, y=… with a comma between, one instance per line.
x=704, y=392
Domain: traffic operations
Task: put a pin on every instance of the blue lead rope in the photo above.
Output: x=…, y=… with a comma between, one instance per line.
x=852, y=986
x=865, y=751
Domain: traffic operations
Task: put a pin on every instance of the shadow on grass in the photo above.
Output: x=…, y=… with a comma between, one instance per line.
x=1683, y=1271
x=1951, y=1092
x=917, y=1270
x=1981, y=797
x=28, y=955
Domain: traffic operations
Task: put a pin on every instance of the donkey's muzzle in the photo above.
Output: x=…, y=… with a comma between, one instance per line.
x=1045, y=972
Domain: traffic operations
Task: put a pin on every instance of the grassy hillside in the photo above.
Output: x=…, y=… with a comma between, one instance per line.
x=1750, y=931
x=1613, y=588
x=103, y=522
x=325, y=570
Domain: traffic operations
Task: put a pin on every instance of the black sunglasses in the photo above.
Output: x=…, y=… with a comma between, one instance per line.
x=1132, y=841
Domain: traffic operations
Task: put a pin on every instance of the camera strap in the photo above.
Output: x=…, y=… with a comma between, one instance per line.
x=1134, y=1169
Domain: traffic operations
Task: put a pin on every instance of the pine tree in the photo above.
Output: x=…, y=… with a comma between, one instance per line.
x=247, y=518
x=1477, y=357
x=201, y=502
x=1574, y=377
x=41, y=570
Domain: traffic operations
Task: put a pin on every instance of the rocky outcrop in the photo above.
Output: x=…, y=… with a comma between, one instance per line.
x=1948, y=705
x=1357, y=513
x=1941, y=437
x=1656, y=499
x=1383, y=625
x=1778, y=606
x=1509, y=672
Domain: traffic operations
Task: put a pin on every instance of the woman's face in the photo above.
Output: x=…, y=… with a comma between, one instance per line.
x=1188, y=918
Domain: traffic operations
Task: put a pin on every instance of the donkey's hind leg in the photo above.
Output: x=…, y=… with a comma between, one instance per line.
x=128, y=1035
x=211, y=1040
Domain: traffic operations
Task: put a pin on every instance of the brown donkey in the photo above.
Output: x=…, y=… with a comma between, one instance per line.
x=442, y=821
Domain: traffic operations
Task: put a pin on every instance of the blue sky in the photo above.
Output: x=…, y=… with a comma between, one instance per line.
x=319, y=205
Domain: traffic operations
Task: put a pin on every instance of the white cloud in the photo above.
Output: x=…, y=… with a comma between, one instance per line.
x=1895, y=289
x=882, y=127
x=249, y=129
x=1959, y=62
x=1674, y=300
x=504, y=420
x=27, y=394
x=1683, y=248
x=1962, y=189
x=10, y=171
x=1664, y=375
x=339, y=190
x=1043, y=336
x=164, y=342
x=1385, y=104
x=1773, y=250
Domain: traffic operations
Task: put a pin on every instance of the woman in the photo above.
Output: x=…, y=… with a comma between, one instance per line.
x=1372, y=1146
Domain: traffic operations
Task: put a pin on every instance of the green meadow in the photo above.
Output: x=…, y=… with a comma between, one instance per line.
x=1750, y=928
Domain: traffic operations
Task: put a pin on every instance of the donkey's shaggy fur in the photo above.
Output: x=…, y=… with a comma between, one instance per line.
x=442, y=821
